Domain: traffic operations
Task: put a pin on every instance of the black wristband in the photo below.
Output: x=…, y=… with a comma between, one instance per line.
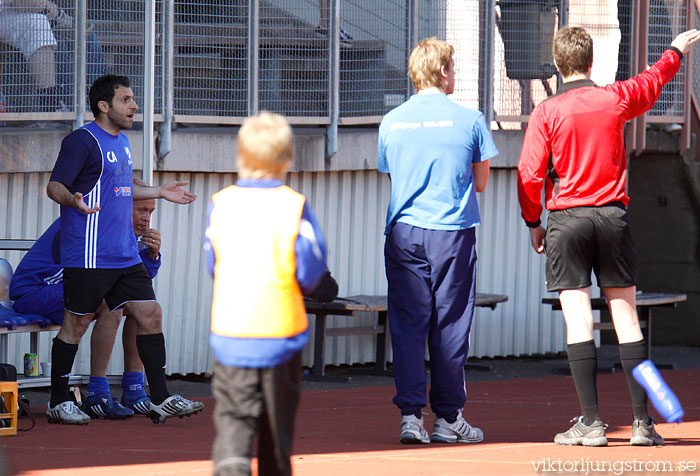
x=533, y=224
x=678, y=52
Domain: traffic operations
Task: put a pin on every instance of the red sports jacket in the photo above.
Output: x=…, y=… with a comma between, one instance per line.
x=575, y=140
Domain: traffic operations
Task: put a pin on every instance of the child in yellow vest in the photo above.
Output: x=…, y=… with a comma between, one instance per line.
x=264, y=249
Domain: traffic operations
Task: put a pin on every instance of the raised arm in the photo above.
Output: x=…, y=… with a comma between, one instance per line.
x=61, y=195
x=170, y=191
x=642, y=91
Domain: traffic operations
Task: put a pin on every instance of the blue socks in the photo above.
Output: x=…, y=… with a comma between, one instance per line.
x=132, y=386
x=98, y=387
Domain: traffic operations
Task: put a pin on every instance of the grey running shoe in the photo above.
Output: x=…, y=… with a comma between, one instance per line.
x=66, y=413
x=586, y=435
x=458, y=432
x=644, y=434
x=174, y=405
x=413, y=431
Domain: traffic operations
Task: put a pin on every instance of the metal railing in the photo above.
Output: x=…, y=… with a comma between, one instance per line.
x=217, y=61
x=328, y=62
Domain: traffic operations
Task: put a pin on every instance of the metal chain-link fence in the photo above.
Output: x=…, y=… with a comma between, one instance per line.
x=667, y=18
x=231, y=57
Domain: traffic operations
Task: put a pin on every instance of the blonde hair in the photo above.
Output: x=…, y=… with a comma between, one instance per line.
x=572, y=50
x=265, y=146
x=426, y=62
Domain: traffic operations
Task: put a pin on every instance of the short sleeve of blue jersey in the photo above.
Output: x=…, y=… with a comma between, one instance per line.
x=382, y=164
x=71, y=159
x=484, y=148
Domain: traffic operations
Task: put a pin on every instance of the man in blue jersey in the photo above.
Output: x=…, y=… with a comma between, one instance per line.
x=437, y=156
x=37, y=288
x=92, y=180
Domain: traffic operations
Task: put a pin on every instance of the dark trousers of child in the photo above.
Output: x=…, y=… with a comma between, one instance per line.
x=252, y=402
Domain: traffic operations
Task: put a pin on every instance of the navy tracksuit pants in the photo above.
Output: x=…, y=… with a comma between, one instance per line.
x=432, y=287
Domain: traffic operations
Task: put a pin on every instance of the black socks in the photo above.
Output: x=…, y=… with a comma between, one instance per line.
x=631, y=355
x=152, y=352
x=62, y=358
x=583, y=361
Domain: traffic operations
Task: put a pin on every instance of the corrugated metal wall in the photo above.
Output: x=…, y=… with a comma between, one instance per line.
x=351, y=208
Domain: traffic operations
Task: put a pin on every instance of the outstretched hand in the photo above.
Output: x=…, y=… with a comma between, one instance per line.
x=82, y=206
x=685, y=41
x=173, y=193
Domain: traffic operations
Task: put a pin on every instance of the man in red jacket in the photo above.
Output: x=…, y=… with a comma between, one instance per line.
x=574, y=144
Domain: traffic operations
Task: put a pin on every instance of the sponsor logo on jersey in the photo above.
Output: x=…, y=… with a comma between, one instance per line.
x=122, y=191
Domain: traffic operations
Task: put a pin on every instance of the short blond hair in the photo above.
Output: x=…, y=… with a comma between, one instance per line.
x=265, y=146
x=426, y=62
x=572, y=50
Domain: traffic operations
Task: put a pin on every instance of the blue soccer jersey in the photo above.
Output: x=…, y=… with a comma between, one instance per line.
x=98, y=165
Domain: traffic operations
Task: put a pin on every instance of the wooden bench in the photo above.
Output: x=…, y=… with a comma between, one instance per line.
x=348, y=307
x=645, y=302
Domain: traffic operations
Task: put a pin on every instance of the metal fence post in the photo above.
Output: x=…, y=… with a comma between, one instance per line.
x=333, y=79
x=413, y=35
x=79, y=61
x=489, y=59
x=563, y=13
x=685, y=132
x=149, y=51
x=253, y=56
x=165, y=132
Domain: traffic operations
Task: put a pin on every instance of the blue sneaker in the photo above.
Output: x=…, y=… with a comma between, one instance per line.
x=140, y=406
x=109, y=408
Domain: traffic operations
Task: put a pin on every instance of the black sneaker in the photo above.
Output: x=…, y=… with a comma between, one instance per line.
x=586, y=435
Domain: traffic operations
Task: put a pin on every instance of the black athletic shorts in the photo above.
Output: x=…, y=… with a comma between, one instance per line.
x=84, y=289
x=582, y=239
